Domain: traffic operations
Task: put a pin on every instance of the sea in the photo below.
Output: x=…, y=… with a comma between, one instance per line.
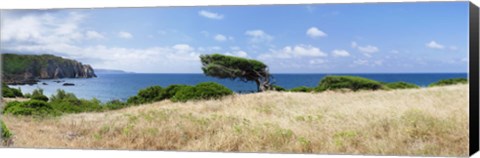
x=108, y=87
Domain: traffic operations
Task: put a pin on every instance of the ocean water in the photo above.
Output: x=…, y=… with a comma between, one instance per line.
x=121, y=86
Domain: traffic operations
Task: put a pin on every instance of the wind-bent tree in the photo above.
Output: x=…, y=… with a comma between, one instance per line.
x=223, y=66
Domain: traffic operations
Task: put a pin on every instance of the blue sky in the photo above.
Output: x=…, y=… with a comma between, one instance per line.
x=321, y=38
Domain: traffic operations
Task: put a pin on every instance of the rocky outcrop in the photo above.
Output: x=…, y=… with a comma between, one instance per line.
x=27, y=69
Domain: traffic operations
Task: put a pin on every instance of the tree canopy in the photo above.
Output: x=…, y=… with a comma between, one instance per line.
x=230, y=67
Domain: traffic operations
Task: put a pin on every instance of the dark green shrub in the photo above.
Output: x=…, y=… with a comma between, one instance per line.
x=63, y=96
x=205, y=90
x=69, y=103
x=451, y=81
x=150, y=94
x=37, y=94
x=185, y=94
x=400, y=85
x=10, y=92
x=27, y=95
x=115, y=104
x=6, y=134
x=348, y=82
x=134, y=100
x=278, y=88
x=171, y=90
x=302, y=89
x=32, y=107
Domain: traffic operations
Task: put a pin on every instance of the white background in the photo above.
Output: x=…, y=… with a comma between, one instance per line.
x=62, y=153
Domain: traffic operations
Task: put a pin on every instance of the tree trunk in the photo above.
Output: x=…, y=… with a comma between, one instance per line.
x=262, y=86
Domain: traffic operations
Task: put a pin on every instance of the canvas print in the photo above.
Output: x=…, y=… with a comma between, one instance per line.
x=371, y=78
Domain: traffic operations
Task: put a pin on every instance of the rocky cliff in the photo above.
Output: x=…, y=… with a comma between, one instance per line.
x=27, y=69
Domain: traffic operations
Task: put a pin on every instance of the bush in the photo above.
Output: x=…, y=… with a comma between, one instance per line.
x=451, y=81
x=133, y=100
x=6, y=134
x=69, y=103
x=27, y=95
x=10, y=92
x=205, y=90
x=278, y=88
x=150, y=94
x=37, y=94
x=171, y=90
x=400, y=85
x=347, y=82
x=32, y=107
x=185, y=94
x=302, y=89
x=115, y=104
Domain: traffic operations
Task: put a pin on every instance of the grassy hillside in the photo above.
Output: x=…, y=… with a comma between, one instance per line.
x=423, y=121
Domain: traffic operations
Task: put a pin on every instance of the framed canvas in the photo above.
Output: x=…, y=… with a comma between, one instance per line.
x=392, y=79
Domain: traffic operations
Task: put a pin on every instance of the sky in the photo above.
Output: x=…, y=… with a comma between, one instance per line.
x=307, y=38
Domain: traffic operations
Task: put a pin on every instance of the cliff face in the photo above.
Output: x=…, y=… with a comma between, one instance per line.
x=19, y=69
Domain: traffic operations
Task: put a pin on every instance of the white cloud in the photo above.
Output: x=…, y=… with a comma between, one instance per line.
x=258, y=36
x=125, y=35
x=205, y=33
x=354, y=44
x=94, y=35
x=152, y=59
x=317, y=61
x=368, y=49
x=340, y=53
x=220, y=38
x=62, y=36
x=182, y=47
x=238, y=54
x=42, y=29
x=235, y=48
x=394, y=51
x=378, y=62
x=434, y=45
x=210, y=15
x=360, y=62
x=314, y=32
x=297, y=51
x=364, y=62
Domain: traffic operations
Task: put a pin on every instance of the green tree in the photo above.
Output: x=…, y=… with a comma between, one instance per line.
x=230, y=67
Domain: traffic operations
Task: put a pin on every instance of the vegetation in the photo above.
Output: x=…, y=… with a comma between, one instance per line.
x=348, y=82
x=400, y=85
x=6, y=134
x=10, y=92
x=230, y=67
x=430, y=122
x=451, y=81
x=69, y=103
x=31, y=107
x=278, y=88
x=15, y=66
x=302, y=89
x=205, y=90
x=37, y=94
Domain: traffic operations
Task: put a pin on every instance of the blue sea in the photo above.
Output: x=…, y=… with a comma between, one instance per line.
x=121, y=86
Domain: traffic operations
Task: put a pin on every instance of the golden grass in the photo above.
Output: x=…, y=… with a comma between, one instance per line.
x=427, y=121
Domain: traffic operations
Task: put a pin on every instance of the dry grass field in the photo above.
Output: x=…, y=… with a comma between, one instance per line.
x=426, y=121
